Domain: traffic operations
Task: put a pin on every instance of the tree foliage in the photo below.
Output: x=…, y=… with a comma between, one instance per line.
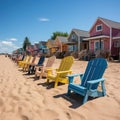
x=55, y=34
x=26, y=43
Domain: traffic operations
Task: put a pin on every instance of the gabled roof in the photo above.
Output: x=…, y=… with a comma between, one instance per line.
x=62, y=39
x=51, y=43
x=109, y=23
x=79, y=33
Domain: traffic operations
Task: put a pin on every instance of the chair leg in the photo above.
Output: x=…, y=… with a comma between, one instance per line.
x=40, y=76
x=47, y=80
x=85, y=98
x=56, y=84
x=69, y=91
x=27, y=67
x=103, y=88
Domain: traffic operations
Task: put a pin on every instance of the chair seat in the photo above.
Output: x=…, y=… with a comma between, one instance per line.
x=77, y=88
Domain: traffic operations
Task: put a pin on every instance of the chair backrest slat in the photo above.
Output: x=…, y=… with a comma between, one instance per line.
x=94, y=70
x=41, y=60
x=50, y=61
x=66, y=64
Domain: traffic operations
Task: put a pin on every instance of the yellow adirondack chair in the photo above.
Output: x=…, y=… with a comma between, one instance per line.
x=62, y=72
x=20, y=62
x=34, y=61
x=41, y=70
x=26, y=61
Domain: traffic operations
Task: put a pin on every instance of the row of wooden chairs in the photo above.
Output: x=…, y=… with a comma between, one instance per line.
x=90, y=80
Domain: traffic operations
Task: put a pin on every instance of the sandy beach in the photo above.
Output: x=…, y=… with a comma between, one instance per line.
x=24, y=98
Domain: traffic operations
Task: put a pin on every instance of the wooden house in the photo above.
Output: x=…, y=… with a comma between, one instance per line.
x=105, y=36
x=51, y=46
x=61, y=43
x=76, y=41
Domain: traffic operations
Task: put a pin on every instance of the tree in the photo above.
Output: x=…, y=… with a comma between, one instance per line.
x=26, y=43
x=55, y=34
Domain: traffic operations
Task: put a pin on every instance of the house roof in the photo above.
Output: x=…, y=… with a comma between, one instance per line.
x=82, y=33
x=110, y=23
x=51, y=43
x=62, y=39
x=50, y=40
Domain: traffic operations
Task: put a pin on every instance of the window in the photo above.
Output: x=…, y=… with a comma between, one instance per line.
x=99, y=45
x=73, y=37
x=73, y=48
x=116, y=44
x=99, y=28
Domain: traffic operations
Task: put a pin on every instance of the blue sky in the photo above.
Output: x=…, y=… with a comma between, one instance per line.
x=38, y=19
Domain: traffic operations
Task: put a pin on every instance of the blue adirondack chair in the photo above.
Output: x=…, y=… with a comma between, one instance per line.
x=90, y=80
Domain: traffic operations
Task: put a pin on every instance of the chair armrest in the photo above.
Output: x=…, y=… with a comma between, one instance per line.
x=96, y=81
x=74, y=75
x=50, y=69
x=71, y=77
x=68, y=71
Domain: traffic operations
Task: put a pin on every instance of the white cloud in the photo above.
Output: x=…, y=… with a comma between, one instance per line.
x=35, y=42
x=13, y=39
x=44, y=19
x=7, y=46
x=7, y=43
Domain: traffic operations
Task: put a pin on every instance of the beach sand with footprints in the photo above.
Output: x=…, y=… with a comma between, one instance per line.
x=24, y=98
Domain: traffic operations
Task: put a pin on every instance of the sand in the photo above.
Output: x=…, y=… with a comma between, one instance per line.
x=24, y=98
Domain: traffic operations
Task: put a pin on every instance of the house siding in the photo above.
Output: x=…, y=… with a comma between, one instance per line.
x=106, y=43
x=115, y=50
x=91, y=43
x=74, y=47
x=105, y=29
x=62, y=47
x=115, y=32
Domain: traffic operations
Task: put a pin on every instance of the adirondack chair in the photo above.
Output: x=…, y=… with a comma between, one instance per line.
x=23, y=58
x=32, y=66
x=31, y=58
x=23, y=61
x=26, y=66
x=34, y=62
x=41, y=70
x=90, y=80
x=62, y=72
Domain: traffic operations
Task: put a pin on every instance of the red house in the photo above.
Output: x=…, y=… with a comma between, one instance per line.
x=105, y=35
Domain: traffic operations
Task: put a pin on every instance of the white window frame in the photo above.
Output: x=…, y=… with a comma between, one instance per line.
x=98, y=26
x=73, y=36
x=102, y=47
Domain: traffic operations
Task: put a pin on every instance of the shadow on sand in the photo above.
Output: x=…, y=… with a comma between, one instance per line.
x=74, y=98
